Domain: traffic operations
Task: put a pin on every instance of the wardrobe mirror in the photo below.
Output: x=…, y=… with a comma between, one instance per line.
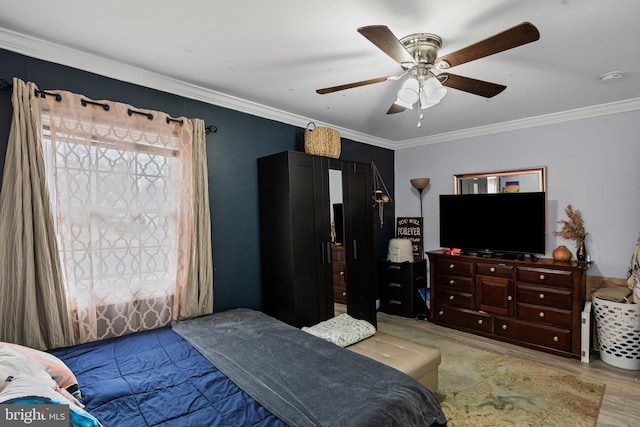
x=508, y=181
x=337, y=237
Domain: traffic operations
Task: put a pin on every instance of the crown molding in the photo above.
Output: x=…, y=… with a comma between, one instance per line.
x=56, y=53
x=543, y=120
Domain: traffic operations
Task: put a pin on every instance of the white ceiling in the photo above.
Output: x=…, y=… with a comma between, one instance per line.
x=268, y=57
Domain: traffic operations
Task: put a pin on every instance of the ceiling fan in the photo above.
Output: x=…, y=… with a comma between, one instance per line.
x=417, y=54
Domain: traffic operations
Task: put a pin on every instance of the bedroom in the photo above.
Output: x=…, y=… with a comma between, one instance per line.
x=591, y=162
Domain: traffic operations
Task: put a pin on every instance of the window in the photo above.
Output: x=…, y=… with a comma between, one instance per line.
x=120, y=194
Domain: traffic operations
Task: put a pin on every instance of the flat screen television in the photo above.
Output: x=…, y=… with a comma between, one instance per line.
x=498, y=224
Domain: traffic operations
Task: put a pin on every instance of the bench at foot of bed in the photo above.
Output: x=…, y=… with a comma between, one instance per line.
x=418, y=361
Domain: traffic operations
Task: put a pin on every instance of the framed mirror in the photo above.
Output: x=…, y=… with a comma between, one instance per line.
x=509, y=181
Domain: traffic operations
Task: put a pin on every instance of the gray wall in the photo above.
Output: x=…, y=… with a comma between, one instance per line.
x=592, y=164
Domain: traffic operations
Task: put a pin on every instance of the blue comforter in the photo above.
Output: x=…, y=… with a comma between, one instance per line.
x=156, y=378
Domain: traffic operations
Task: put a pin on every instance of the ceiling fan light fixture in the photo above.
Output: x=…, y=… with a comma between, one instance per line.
x=434, y=90
x=424, y=100
x=403, y=104
x=408, y=94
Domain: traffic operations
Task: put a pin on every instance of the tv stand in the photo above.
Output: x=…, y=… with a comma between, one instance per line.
x=533, y=302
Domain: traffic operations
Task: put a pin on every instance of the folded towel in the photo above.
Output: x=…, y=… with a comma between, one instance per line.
x=342, y=330
x=613, y=293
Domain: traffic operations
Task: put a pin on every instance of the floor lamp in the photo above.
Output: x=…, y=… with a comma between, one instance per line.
x=420, y=184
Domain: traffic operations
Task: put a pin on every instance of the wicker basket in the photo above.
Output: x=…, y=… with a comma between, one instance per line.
x=321, y=141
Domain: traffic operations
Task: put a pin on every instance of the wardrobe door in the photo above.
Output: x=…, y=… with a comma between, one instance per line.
x=295, y=238
x=358, y=218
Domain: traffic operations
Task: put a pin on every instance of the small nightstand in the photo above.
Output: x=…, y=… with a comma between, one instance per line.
x=399, y=284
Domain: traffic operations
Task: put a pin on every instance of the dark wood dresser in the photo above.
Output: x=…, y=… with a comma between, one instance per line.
x=339, y=282
x=535, y=304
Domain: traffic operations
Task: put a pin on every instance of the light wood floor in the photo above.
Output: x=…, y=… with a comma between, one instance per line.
x=621, y=402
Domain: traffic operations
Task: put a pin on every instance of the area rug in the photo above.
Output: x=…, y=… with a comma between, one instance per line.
x=481, y=388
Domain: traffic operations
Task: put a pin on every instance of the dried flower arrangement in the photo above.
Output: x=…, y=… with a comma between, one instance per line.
x=573, y=229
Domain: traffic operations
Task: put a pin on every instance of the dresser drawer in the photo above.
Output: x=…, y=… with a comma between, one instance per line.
x=543, y=276
x=464, y=318
x=458, y=283
x=406, y=272
x=395, y=290
x=454, y=266
x=540, y=314
x=339, y=294
x=457, y=299
x=550, y=297
x=397, y=307
x=497, y=270
x=547, y=336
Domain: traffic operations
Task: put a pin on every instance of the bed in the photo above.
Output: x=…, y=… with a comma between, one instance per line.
x=241, y=368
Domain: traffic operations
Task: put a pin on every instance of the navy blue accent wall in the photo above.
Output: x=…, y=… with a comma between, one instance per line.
x=231, y=159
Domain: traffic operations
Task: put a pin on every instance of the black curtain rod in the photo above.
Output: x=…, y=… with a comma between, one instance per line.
x=42, y=94
x=6, y=85
x=84, y=103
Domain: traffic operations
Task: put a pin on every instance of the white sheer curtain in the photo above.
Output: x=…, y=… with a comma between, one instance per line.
x=123, y=186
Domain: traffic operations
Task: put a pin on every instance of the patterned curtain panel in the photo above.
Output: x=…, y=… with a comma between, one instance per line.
x=33, y=305
x=122, y=189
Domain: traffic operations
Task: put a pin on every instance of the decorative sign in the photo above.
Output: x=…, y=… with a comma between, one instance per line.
x=411, y=228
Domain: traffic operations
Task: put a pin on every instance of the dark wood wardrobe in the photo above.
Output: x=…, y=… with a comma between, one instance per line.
x=296, y=237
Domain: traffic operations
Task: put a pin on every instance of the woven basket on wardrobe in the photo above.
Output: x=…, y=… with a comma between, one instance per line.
x=322, y=141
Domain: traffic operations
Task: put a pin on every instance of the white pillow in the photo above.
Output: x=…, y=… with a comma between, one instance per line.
x=342, y=330
x=13, y=362
x=26, y=389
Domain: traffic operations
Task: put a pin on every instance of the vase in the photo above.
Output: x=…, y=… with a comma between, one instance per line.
x=581, y=251
x=562, y=253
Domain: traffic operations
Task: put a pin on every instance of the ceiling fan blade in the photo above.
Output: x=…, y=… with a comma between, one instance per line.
x=467, y=84
x=508, y=39
x=395, y=108
x=386, y=41
x=352, y=85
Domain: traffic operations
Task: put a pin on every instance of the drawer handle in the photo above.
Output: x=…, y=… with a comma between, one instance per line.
x=504, y=327
x=344, y=294
x=452, y=265
x=395, y=302
x=556, y=339
x=451, y=282
x=394, y=267
x=492, y=269
x=541, y=296
x=451, y=297
x=542, y=277
x=440, y=313
x=395, y=285
x=480, y=322
x=509, y=298
x=541, y=314
x=342, y=273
